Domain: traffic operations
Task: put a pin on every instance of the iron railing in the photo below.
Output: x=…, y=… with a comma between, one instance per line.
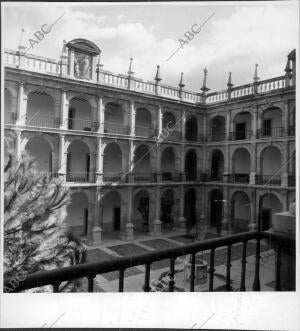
x=41, y=121
x=214, y=137
x=273, y=132
x=268, y=180
x=90, y=270
x=292, y=180
x=80, y=177
x=114, y=177
x=240, y=178
x=145, y=177
x=80, y=124
x=144, y=131
x=241, y=135
x=171, y=176
x=117, y=128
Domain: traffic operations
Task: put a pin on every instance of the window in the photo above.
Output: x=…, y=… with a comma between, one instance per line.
x=267, y=127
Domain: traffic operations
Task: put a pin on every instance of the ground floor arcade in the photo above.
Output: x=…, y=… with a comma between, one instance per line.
x=130, y=212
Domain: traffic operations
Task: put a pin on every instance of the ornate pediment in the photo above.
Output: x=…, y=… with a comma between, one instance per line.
x=84, y=46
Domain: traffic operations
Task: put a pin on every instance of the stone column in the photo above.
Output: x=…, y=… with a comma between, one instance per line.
x=182, y=163
x=254, y=124
x=156, y=226
x=181, y=219
x=159, y=121
x=253, y=221
x=97, y=224
x=62, y=157
x=204, y=127
x=92, y=169
x=91, y=218
x=52, y=165
x=100, y=114
x=158, y=162
x=64, y=109
x=253, y=165
x=129, y=225
x=226, y=212
x=228, y=122
x=285, y=162
x=99, y=161
x=183, y=124
x=285, y=119
x=227, y=163
x=132, y=115
x=22, y=105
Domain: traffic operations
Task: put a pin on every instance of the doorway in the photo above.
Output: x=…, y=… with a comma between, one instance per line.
x=117, y=219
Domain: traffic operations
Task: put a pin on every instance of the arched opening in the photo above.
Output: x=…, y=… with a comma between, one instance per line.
x=169, y=125
x=241, y=161
x=168, y=164
x=191, y=129
x=191, y=165
x=112, y=162
x=77, y=214
x=40, y=110
x=242, y=126
x=240, y=212
x=113, y=119
x=141, y=211
x=142, y=169
x=78, y=162
x=217, y=165
x=143, y=126
x=271, y=166
x=217, y=128
x=271, y=122
x=167, y=206
x=40, y=149
x=111, y=212
x=80, y=115
x=8, y=107
x=190, y=207
x=270, y=205
x=216, y=210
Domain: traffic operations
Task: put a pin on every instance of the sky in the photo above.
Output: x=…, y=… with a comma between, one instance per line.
x=234, y=39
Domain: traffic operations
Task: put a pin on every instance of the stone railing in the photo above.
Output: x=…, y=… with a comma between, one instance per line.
x=49, y=66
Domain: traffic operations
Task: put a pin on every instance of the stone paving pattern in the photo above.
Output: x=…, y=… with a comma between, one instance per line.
x=134, y=277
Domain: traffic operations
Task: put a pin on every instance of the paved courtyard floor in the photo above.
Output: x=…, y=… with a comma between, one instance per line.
x=134, y=277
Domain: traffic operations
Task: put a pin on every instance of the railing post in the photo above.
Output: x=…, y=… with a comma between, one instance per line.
x=244, y=261
x=228, y=266
x=256, y=283
x=192, y=284
x=172, y=275
x=121, y=280
x=147, y=278
x=211, y=270
x=277, y=268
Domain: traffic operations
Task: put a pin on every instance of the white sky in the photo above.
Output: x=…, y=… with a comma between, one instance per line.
x=234, y=39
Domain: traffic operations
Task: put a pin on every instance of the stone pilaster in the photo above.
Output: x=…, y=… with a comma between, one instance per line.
x=129, y=225
x=62, y=157
x=99, y=161
x=100, y=114
x=64, y=109
x=132, y=114
x=22, y=105
x=156, y=225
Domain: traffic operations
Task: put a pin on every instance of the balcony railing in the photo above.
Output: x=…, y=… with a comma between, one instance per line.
x=144, y=131
x=79, y=124
x=241, y=135
x=271, y=132
x=292, y=180
x=114, y=177
x=291, y=130
x=145, y=177
x=41, y=121
x=268, y=180
x=9, y=118
x=239, y=178
x=80, y=177
x=190, y=177
x=214, y=137
x=171, y=176
x=117, y=128
x=120, y=264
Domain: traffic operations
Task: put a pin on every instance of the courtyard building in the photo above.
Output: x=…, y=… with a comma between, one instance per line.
x=144, y=158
